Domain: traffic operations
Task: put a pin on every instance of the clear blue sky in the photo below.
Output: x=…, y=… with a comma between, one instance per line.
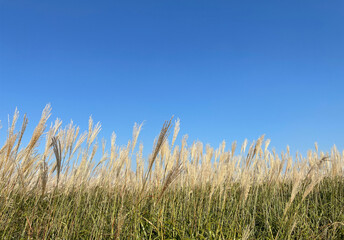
x=228, y=69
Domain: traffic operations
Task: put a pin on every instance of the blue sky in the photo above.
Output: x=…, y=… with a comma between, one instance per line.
x=229, y=70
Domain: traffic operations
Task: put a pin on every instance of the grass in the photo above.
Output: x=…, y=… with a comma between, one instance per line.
x=179, y=192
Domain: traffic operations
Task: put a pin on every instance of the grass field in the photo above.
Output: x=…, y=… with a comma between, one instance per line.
x=186, y=191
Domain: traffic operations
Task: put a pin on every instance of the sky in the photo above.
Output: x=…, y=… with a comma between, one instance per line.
x=229, y=70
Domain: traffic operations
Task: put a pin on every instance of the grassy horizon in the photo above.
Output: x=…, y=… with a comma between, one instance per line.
x=178, y=192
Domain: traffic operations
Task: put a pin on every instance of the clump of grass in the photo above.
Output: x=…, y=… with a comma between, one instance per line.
x=180, y=192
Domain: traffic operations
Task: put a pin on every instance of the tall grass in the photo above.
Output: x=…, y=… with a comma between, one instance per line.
x=179, y=192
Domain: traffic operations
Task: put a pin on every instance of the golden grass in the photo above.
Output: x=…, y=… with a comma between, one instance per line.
x=67, y=163
x=71, y=155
